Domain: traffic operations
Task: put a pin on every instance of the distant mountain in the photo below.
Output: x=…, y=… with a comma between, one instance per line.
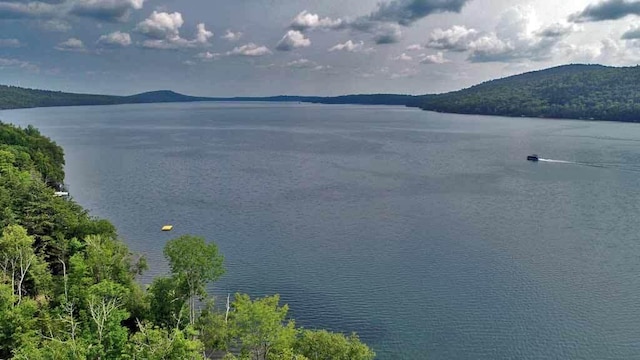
x=160, y=97
x=12, y=97
x=570, y=91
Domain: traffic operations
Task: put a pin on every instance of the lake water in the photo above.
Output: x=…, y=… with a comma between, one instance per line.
x=428, y=234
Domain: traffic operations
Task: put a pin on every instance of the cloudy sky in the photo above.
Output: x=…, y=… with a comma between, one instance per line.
x=306, y=47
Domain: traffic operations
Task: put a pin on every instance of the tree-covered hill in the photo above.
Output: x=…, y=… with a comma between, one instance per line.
x=570, y=91
x=12, y=97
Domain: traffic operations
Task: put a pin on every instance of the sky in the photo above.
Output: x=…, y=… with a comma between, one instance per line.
x=303, y=47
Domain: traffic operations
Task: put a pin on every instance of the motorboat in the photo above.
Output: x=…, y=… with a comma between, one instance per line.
x=533, y=157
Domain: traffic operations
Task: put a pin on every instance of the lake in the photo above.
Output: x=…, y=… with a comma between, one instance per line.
x=428, y=234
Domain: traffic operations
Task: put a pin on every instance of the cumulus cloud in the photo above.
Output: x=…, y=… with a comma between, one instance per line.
x=437, y=58
x=406, y=12
x=293, y=39
x=607, y=51
x=106, y=10
x=414, y=47
x=115, y=39
x=516, y=37
x=232, y=36
x=607, y=10
x=15, y=63
x=457, y=38
x=71, y=44
x=383, y=23
x=350, y=46
x=306, y=21
x=161, y=25
x=163, y=31
x=10, y=43
x=202, y=34
x=250, y=50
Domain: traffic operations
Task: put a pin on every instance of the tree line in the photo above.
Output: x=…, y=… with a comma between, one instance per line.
x=591, y=92
x=68, y=286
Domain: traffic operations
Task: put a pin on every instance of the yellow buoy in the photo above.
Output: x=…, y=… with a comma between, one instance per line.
x=167, y=228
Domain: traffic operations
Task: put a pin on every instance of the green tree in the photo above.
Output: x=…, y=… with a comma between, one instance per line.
x=260, y=327
x=324, y=345
x=168, y=302
x=19, y=262
x=196, y=263
x=153, y=343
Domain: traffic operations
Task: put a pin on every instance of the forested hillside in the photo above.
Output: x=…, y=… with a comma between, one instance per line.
x=68, y=286
x=570, y=91
x=12, y=97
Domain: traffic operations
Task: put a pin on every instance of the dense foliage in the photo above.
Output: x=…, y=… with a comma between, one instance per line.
x=12, y=97
x=68, y=289
x=570, y=91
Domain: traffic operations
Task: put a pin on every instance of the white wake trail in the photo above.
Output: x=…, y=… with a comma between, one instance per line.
x=556, y=161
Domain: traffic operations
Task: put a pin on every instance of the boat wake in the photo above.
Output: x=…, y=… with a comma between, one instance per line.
x=617, y=166
x=557, y=161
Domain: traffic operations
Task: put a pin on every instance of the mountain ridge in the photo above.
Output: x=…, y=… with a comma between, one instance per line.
x=575, y=91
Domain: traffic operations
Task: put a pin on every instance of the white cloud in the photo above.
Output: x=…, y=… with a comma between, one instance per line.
x=208, y=56
x=247, y=50
x=457, y=38
x=202, y=34
x=402, y=57
x=10, y=43
x=115, y=39
x=437, y=58
x=232, y=36
x=71, y=44
x=414, y=47
x=163, y=31
x=293, y=39
x=161, y=25
x=301, y=63
x=607, y=51
x=306, y=21
x=250, y=50
x=350, y=46
x=518, y=36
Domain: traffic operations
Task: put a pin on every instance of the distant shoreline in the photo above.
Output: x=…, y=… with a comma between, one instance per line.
x=576, y=92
